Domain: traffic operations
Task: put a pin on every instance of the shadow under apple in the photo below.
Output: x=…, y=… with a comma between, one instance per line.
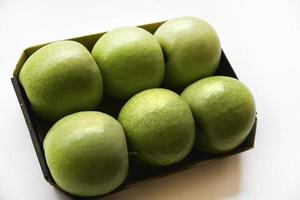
x=213, y=181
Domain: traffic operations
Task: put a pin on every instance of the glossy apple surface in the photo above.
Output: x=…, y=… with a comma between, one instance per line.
x=224, y=112
x=61, y=78
x=131, y=60
x=192, y=50
x=159, y=127
x=86, y=153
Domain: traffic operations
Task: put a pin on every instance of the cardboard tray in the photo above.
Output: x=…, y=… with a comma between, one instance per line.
x=137, y=174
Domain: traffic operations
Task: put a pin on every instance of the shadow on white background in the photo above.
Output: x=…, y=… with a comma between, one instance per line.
x=214, y=181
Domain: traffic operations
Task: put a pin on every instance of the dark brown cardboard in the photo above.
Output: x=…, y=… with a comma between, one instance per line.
x=137, y=174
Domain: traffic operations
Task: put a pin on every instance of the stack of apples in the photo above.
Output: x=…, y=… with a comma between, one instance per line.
x=172, y=102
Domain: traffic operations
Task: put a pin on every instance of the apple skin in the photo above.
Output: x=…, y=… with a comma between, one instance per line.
x=61, y=78
x=192, y=50
x=86, y=153
x=224, y=113
x=131, y=60
x=159, y=127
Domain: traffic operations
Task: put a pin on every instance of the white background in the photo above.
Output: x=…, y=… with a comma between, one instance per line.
x=261, y=40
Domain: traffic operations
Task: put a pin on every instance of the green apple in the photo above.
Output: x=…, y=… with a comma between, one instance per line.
x=130, y=59
x=224, y=112
x=192, y=50
x=61, y=78
x=86, y=153
x=159, y=127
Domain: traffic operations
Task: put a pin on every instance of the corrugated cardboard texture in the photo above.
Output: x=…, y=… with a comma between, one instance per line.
x=137, y=173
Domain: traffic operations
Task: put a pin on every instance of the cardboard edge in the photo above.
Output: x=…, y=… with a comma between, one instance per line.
x=252, y=136
x=33, y=135
x=20, y=64
x=228, y=64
